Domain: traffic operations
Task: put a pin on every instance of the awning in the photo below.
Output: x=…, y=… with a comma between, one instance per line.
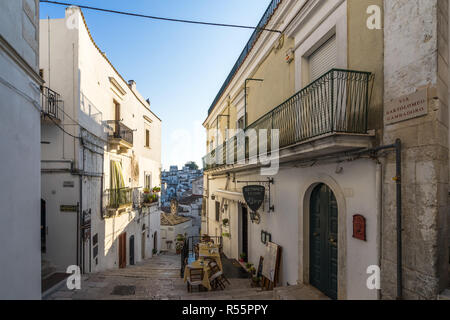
x=230, y=195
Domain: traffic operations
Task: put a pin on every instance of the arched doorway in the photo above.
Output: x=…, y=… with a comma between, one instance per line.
x=323, y=240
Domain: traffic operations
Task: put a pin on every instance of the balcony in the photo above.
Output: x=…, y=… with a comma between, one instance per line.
x=328, y=116
x=51, y=104
x=117, y=201
x=120, y=136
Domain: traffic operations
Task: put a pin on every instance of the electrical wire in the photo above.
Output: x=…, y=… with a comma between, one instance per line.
x=75, y=137
x=160, y=18
x=7, y=84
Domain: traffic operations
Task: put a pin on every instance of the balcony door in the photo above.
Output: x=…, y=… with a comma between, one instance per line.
x=116, y=111
x=320, y=114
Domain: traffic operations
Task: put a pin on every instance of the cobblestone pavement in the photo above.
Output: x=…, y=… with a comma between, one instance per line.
x=159, y=279
x=154, y=279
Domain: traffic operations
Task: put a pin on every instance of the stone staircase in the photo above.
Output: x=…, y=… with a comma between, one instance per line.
x=298, y=292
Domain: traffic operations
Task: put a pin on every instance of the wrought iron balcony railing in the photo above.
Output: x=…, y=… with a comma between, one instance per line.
x=51, y=102
x=337, y=102
x=118, y=198
x=120, y=131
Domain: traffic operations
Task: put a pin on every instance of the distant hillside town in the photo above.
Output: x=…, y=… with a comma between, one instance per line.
x=182, y=193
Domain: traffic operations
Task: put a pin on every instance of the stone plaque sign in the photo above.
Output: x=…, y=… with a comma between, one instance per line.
x=68, y=184
x=406, y=107
x=254, y=196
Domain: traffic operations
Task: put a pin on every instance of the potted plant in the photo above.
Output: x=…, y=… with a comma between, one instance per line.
x=248, y=265
x=226, y=235
x=225, y=222
x=146, y=190
x=179, y=247
x=255, y=282
x=156, y=189
x=242, y=257
x=180, y=237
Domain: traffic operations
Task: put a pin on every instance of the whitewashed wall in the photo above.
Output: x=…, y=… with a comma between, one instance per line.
x=20, y=261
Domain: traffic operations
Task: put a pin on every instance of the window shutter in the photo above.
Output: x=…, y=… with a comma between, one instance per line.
x=323, y=59
x=147, y=138
x=217, y=211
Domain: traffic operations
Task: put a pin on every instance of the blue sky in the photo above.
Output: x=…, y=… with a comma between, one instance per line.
x=180, y=67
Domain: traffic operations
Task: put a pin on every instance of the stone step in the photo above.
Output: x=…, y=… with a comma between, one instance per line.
x=231, y=294
x=47, y=269
x=299, y=292
x=445, y=295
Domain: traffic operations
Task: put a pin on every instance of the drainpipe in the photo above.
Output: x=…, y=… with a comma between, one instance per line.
x=398, y=179
x=379, y=190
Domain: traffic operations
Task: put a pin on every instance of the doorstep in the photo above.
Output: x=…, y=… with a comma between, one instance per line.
x=52, y=283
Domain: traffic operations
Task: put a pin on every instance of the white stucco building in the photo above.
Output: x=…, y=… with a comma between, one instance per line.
x=335, y=89
x=20, y=107
x=99, y=152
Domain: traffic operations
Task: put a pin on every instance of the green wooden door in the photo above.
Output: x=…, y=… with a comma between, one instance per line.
x=323, y=240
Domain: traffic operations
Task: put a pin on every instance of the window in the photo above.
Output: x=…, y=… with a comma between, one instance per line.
x=240, y=123
x=323, y=59
x=147, y=138
x=217, y=211
x=148, y=181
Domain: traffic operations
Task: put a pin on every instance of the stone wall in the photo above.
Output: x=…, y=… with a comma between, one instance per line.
x=416, y=56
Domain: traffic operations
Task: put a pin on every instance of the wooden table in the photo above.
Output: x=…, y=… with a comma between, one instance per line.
x=206, y=251
x=197, y=265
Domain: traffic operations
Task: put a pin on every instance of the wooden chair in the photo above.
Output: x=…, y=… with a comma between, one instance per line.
x=195, y=278
x=196, y=251
x=217, y=278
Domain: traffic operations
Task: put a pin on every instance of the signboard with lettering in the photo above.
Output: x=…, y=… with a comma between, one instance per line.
x=68, y=208
x=406, y=107
x=254, y=196
x=68, y=184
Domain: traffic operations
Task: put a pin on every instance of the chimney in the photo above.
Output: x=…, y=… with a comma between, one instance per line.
x=132, y=84
x=148, y=101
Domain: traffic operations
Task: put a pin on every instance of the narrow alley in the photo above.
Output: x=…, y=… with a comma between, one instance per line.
x=159, y=279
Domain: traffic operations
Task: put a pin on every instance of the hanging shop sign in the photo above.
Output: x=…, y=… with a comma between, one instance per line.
x=406, y=107
x=254, y=196
x=359, y=227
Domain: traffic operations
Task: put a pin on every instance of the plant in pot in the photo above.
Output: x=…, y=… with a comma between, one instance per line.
x=242, y=257
x=225, y=222
x=248, y=265
x=146, y=190
x=179, y=247
x=154, y=251
x=156, y=189
x=256, y=281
